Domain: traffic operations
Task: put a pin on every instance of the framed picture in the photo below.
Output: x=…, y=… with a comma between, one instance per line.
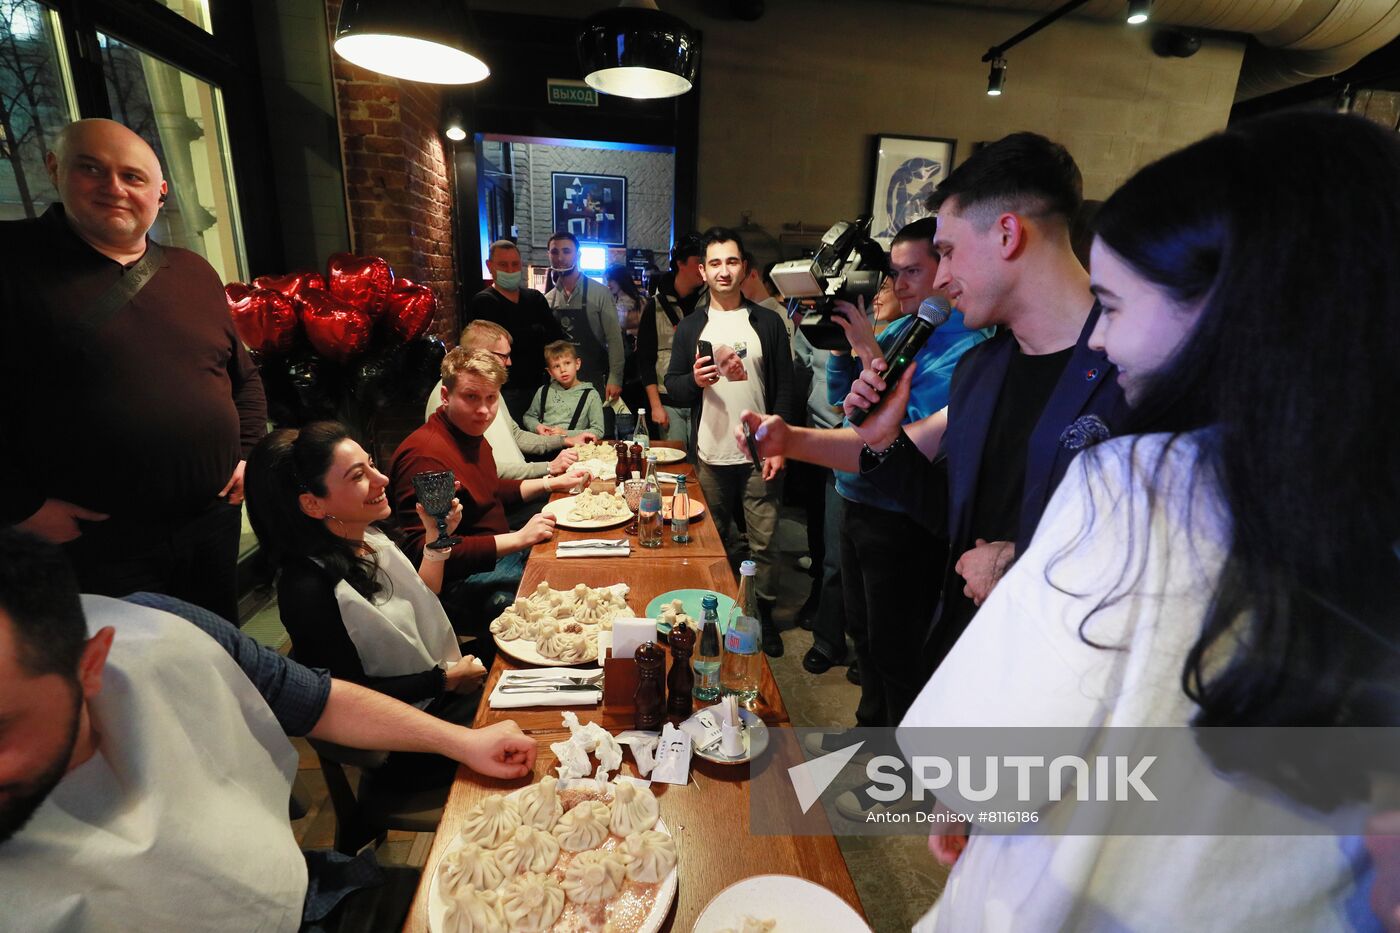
x=591, y=207
x=907, y=169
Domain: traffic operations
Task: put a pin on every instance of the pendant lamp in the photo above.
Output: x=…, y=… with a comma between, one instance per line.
x=636, y=50
x=417, y=40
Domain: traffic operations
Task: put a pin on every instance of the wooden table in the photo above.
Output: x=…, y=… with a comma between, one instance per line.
x=647, y=579
x=710, y=815
x=710, y=819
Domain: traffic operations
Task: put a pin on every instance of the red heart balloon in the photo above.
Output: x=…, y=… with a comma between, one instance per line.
x=293, y=283
x=265, y=320
x=410, y=310
x=363, y=282
x=336, y=330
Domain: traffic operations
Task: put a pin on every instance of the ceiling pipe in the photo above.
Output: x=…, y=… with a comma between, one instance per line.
x=1293, y=41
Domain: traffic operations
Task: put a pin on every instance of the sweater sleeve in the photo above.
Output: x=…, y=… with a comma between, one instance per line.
x=248, y=395
x=534, y=445
x=311, y=615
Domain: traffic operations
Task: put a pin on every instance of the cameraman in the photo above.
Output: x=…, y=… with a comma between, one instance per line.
x=674, y=295
x=883, y=550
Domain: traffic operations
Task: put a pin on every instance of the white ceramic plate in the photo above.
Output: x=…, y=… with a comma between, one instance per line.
x=796, y=903
x=667, y=454
x=755, y=741
x=665, y=894
x=524, y=651
x=559, y=508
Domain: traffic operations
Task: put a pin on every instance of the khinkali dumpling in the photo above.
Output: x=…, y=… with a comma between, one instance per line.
x=508, y=625
x=633, y=810
x=583, y=827
x=539, y=804
x=650, y=856
x=594, y=877
x=469, y=867
x=529, y=849
x=532, y=902
x=491, y=822
x=474, y=912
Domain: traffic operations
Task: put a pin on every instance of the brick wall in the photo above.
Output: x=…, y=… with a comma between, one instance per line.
x=398, y=181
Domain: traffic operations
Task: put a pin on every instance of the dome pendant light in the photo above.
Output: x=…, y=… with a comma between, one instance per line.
x=635, y=50
x=417, y=40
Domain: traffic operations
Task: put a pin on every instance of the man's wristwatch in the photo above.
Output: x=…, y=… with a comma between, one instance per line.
x=870, y=458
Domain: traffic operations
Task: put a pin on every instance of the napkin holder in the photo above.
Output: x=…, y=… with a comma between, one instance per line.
x=597, y=484
x=619, y=682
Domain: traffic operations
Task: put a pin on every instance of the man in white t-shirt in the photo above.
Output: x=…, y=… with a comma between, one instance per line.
x=746, y=365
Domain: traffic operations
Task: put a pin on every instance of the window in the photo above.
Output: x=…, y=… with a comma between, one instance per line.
x=182, y=118
x=196, y=11
x=36, y=101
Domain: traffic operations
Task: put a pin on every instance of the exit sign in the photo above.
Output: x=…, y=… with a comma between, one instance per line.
x=572, y=93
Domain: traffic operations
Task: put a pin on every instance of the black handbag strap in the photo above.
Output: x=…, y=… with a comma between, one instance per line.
x=578, y=412
x=120, y=293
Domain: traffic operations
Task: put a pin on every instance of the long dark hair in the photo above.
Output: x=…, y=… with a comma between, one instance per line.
x=285, y=464
x=623, y=277
x=1287, y=230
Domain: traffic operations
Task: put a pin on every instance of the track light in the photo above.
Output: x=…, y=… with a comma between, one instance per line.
x=1139, y=11
x=453, y=128
x=417, y=40
x=997, y=79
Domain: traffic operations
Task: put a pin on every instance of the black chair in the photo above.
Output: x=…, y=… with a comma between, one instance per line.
x=367, y=814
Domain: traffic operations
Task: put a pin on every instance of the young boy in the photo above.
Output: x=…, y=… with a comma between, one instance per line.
x=564, y=405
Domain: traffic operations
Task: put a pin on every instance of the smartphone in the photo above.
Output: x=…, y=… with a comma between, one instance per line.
x=705, y=348
x=753, y=448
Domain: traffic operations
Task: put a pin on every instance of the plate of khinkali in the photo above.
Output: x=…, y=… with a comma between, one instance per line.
x=557, y=854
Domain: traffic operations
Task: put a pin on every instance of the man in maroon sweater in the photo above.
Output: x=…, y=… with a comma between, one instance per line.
x=122, y=438
x=485, y=568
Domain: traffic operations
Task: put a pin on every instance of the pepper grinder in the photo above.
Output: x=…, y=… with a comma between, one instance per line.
x=681, y=679
x=650, y=697
x=624, y=460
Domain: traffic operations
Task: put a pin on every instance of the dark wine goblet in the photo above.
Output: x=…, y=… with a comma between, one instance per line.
x=435, y=491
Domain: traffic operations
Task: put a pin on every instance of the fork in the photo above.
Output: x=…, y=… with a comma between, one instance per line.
x=543, y=682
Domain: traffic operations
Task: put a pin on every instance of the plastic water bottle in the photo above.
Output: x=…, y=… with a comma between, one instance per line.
x=641, y=436
x=680, y=513
x=742, y=661
x=706, y=660
x=649, y=511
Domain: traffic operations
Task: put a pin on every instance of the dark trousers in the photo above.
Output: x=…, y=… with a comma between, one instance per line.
x=829, y=625
x=890, y=571
x=195, y=560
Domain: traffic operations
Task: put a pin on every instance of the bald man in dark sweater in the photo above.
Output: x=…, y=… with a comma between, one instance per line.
x=123, y=434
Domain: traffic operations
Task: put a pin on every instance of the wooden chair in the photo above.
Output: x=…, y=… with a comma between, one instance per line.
x=368, y=814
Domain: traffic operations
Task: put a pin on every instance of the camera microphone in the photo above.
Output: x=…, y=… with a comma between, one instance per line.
x=934, y=311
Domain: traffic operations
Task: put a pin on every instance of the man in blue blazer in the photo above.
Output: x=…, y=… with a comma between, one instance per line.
x=1022, y=404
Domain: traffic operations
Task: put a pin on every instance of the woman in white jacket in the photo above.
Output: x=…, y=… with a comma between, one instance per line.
x=1235, y=563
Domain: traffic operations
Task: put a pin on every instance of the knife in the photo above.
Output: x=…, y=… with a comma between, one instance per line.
x=545, y=688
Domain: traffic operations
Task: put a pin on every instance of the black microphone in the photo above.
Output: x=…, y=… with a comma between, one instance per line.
x=934, y=311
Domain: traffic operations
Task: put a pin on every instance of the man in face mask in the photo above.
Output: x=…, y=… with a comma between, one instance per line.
x=525, y=315
x=586, y=312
